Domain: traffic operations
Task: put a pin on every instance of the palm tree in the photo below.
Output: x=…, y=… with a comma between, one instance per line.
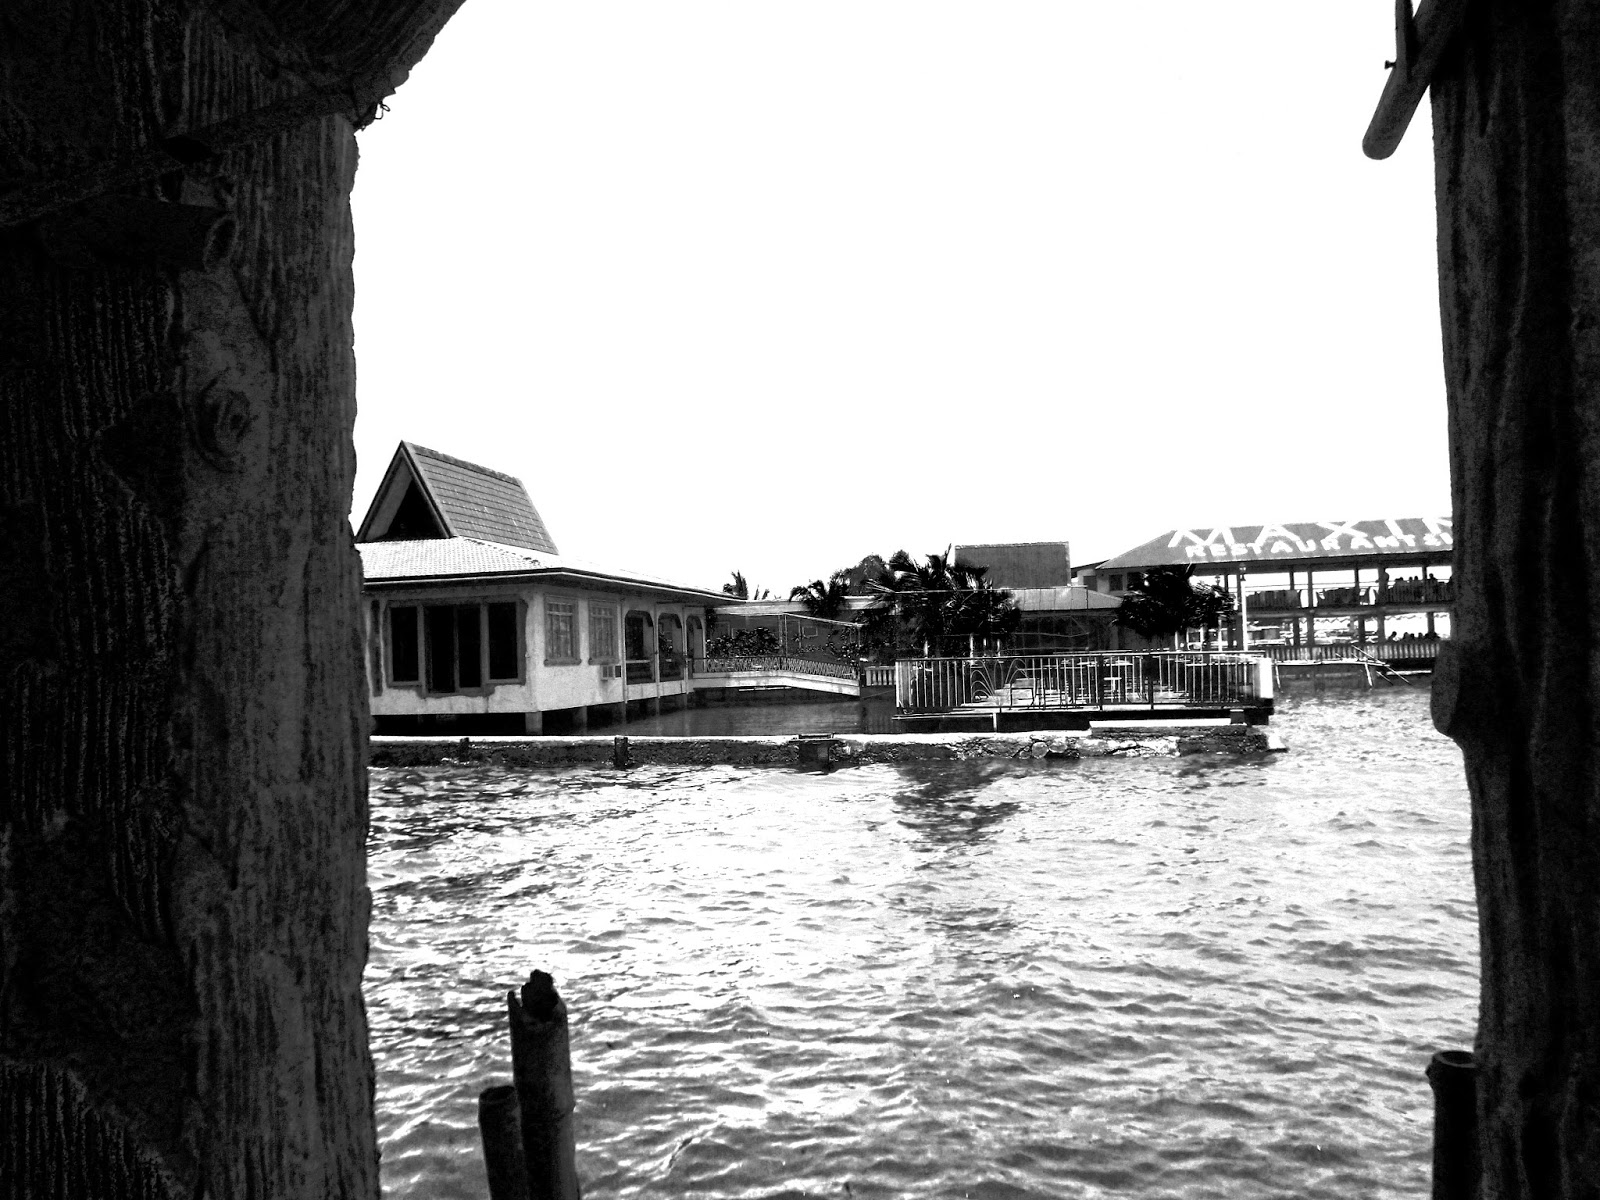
x=1165, y=602
x=939, y=600
x=740, y=590
x=825, y=600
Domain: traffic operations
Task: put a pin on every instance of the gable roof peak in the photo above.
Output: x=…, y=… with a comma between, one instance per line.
x=467, y=500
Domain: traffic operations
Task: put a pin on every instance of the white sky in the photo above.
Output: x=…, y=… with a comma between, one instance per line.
x=771, y=286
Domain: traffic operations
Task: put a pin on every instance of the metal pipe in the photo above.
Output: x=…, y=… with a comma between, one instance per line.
x=1453, y=1075
x=500, y=1123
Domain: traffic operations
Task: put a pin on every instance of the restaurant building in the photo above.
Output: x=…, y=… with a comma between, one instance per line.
x=1298, y=584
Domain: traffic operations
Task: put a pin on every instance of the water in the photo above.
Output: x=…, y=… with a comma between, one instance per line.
x=871, y=714
x=1197, y=977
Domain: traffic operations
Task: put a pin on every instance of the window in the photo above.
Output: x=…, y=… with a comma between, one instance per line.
x=560, y=631
x=504, y=660
x=1116, y=583
x=458, y=644
x=454, y=639
x=403, y=645
x=602, y=633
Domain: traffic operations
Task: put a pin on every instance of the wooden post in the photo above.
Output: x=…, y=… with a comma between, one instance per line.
x=1311, y=615
x=619, y=753
x=1453, y=1075
x=500, y=1124
x=541, y=1065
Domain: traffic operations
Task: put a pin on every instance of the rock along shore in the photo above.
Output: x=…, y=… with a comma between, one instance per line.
x=847, y=749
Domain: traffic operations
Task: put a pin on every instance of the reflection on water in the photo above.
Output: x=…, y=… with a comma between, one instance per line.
x=953, y=803
x=1199, y=977
x=872, y=714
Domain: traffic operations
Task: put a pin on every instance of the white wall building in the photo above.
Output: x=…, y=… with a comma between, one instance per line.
x=475, y=624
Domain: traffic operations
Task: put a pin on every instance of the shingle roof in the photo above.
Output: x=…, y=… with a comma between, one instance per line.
x=474, y=558
x=1402, y=537
x=479, y=503
x=445, y=556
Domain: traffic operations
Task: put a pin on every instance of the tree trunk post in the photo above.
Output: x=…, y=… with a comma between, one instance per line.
x=1516, y=115
x=541, y=1065
x=183, y=899
x=500, y=1124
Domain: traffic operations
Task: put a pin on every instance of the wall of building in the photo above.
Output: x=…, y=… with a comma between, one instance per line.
x=549, y=682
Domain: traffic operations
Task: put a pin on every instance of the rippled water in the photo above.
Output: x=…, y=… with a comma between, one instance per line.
x=1172, y=977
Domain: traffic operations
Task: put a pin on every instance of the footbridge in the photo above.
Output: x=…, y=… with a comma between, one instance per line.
x=778, y=671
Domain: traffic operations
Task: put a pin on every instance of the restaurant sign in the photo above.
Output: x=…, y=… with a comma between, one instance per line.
x=1309, y=539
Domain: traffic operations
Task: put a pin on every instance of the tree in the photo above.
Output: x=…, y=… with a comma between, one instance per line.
x=825, y=600
x=1166, y=602
x=937, y=603
x=1516, y=121
x=183, y=889
x=739, y=589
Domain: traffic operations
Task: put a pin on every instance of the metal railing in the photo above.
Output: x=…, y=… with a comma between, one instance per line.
x=1419, y=591
x=641, y=670
x=1060, y=681
x=1414, y=650
x=750, y=664
x=1405, y=591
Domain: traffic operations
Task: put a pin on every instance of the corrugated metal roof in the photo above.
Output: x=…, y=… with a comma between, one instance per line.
x=479, y=503
x=1403, y=537
x=474, y=558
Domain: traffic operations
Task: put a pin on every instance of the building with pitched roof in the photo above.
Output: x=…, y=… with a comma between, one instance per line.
x=476, y=624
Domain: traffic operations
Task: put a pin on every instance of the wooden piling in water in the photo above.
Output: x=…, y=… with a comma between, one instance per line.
x=500, y=1124
x=541, y=1065
x=619, y=753
x=1454, y=1077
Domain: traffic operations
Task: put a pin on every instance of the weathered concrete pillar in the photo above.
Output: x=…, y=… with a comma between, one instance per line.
x=533, y=722
x=1516, y=114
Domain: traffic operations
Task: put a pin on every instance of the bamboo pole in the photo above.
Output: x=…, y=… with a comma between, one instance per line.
x=500, y=1123
x=541, y=1065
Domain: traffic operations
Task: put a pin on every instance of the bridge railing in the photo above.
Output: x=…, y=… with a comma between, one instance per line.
x=1057, y=681
x=753, y=664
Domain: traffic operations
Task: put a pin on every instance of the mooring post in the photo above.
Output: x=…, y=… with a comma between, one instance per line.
x=541, y=1064
x=500, y=1123
x=619, y=753
x=1454, y=1077
x=814, y=751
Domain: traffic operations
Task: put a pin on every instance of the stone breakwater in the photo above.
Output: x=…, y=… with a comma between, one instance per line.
x=846, y=749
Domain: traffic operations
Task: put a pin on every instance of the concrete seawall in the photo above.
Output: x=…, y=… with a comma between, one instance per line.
x=1143, y=739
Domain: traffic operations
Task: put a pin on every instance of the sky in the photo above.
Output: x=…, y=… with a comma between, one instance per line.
x=772, y=286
